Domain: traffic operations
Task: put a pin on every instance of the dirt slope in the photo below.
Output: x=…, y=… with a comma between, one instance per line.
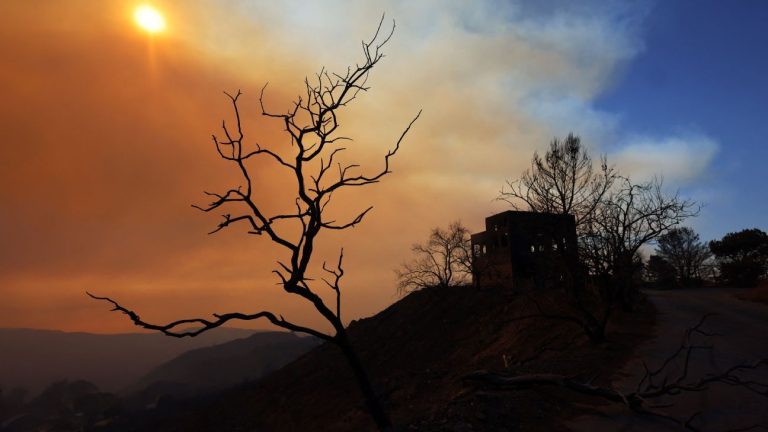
x=417, y=351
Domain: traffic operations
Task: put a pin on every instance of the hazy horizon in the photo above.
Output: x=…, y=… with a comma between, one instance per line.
x=108, y=135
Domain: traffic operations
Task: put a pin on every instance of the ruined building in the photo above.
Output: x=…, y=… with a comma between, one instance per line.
x=525, y=250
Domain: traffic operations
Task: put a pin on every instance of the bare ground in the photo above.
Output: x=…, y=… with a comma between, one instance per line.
x=417, y=352
x=743, y=329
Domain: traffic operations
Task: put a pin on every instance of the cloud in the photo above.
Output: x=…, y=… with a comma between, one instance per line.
x=680, y=160
x=107, y=138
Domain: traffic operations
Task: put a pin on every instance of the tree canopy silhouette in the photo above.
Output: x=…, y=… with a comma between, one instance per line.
x=614, y=216
x=630, y=216
x=310, y=154
x=563, y=181
x=444, y=260
x=742, y=256
x=682, y=248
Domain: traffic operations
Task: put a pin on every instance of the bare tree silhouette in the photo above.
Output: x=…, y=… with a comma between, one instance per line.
x=614, y=218
x=313, y=149
x=630, y=215
x=444, y=260
x=564, y=181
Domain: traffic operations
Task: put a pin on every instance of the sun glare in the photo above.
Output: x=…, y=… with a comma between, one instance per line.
x=149, y=19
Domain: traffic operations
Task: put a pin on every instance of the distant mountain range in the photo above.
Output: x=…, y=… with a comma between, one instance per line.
x=33, y=359
x=73, y=366
x=218, y=367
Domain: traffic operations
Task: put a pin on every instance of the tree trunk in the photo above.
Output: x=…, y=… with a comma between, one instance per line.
x=364, y=383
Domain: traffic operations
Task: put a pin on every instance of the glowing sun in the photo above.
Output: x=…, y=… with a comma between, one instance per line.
x=149, y=19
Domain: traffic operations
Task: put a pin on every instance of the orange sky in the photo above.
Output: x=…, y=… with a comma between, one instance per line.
x=107, y=143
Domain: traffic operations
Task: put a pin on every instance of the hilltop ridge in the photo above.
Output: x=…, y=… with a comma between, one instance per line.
x=417, y=351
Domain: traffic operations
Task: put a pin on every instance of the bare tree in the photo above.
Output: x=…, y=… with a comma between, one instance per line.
x=310, y=155
x=682, y=248
x=564, y=181
x=629, y=216
x=614, y=218
x=444, y=260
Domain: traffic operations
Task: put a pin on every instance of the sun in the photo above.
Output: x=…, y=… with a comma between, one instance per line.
x=149, y=19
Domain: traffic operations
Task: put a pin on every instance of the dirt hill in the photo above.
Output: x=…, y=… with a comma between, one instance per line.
x=417, y=352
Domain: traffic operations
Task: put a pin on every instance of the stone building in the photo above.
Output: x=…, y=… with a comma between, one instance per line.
x=523, y=250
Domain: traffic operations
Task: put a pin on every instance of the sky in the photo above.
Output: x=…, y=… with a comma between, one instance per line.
x=107, y=134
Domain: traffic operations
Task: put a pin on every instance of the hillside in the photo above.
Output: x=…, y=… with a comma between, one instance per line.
x=221, y=366
x=33, y=359
x=76, y=405
x=417, y=352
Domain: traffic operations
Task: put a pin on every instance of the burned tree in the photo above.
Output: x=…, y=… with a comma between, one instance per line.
x=564, y=181
x=614, y=217
x=630, y=216
x=444, y=260
x=311, y=156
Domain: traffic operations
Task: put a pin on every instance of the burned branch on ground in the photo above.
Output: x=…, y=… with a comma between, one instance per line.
x=671, y=378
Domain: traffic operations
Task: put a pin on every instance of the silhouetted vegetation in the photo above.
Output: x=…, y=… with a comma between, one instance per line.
x=615, y=218
x=682, y=249
x=564, y=181
x=742, y=257
x=660, y=272
x=630, y=216
x=444, y=260
x=309, y=155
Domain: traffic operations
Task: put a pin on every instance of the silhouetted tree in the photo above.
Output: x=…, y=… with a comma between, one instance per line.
x=564, y=181
x=444, y=260
x=660, y=272
x=682, y=249
x=742, y=257
x=614, y=218
x=630, y=216
x=310, y=155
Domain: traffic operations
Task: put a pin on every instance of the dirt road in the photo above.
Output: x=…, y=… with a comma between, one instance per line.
x=743, y=329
